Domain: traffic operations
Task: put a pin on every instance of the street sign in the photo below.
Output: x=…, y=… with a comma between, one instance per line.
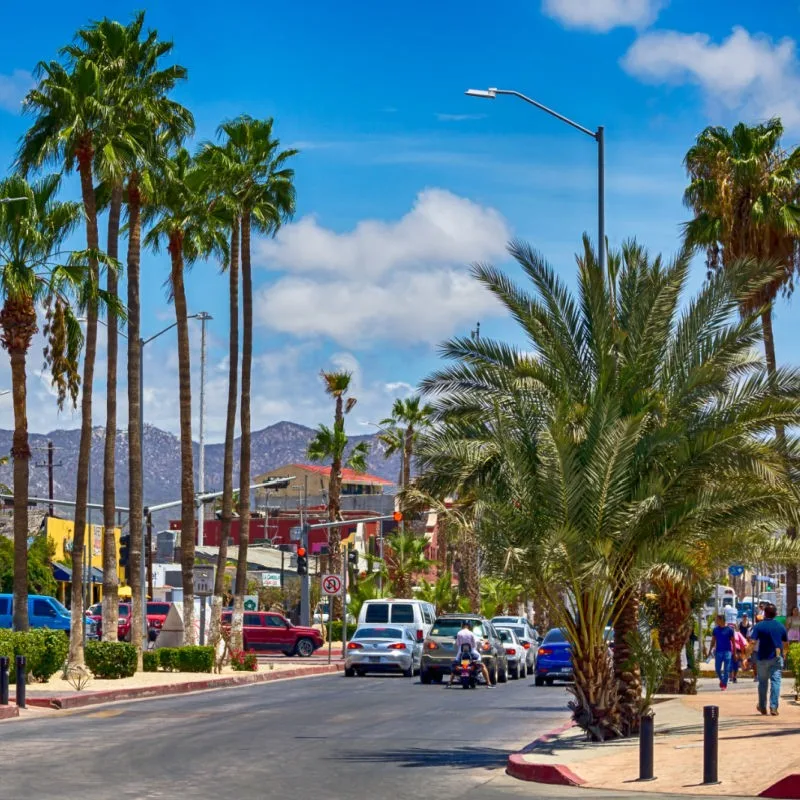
x=204, y=580
x=331, y=584
x=271, y=579
x=736, y=570
x=251, y=602
x=295, y=533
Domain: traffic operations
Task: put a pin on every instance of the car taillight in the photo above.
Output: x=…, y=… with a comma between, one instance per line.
x=354, y=646
x=511, y=651
x=545, y=651
x=432, y=646
x=420, y=636
x=486, y=647
x=397, y=646
x=526, y=645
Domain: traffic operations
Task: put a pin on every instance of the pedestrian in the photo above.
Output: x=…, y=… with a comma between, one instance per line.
x=793, y=625
x=722, y=645
x=760, y=612
x=769, y=636
x=738, y=656
x=744, y=626
x=731, y=615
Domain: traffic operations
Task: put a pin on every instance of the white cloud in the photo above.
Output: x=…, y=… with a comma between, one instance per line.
x=13, y=89
x=603, y=15
x=459, y=117
x=745, y=72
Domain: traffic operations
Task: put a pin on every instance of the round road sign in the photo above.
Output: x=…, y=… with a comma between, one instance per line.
x=331, y=584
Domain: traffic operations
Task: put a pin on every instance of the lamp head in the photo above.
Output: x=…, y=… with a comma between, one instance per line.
x=487, y=94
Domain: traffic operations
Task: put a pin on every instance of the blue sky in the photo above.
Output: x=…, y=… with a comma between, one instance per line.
x=402, y=181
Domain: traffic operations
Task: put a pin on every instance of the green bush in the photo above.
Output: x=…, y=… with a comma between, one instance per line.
x=111, y=659
x=196, y=658
x=793, y=664
x=168, y=659
x=150, y=660
x=336, y=628
x=44, y=651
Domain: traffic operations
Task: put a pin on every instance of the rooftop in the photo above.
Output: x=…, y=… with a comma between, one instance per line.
x=348, y=475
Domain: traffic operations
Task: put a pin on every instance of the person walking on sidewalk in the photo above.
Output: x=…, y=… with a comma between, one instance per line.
x=744, y=626
x=722, y=637
x=793, y=625
x=738, y=656
x=769, y=636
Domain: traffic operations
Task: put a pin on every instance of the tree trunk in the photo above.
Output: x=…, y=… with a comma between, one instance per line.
x=187, y=454
x=469, y=564
x=408, y=446
x=780, y=439
x=230, y=433
x=628, y=677
x=335, y=508
x=18, y=325
x=135, y=480
x=675, y=604
x=87, y=384
x=110, y=576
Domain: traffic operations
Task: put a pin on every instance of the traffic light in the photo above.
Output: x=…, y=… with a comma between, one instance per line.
x=397, y=516
x=124, y=554
x=352, y=557
x=302, y=561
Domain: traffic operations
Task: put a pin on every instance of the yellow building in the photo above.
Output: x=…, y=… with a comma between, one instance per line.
x=61, y=532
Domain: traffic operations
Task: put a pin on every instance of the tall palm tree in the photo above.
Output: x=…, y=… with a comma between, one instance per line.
x=182, y=217
x=744, y=191
x=409, y=418
x=630, y=430
x=32, y=231
x=405, y=558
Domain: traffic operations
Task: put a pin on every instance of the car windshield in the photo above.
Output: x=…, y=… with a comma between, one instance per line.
x=505, y=619
x=378, y=633
x=451, y=627
x=96, y=610
x=158, y=608
x=519, y=630
x=124, y=611
x=505, y=636
x=60, y=608
x=555, y=635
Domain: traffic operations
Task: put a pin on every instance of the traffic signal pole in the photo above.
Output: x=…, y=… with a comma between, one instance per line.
x=305, y=585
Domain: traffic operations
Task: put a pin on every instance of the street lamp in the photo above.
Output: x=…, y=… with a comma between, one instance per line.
x=4, y=200
x=598, y=136
x=203, y=317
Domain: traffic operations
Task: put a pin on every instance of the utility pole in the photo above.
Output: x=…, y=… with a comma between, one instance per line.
x=51, y=465
x=150, y=555
x=203, y=316
x=305, y=582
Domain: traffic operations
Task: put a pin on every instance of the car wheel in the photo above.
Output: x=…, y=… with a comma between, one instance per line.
x=521, y=671
x=513, y=673
x=349, y=672
x=409, y=673
x=424, y=676
x=502, y=674
x=493, y=675
x=361, y=673
x=304, y=647
x=437, y=677
x=549, y=681
x=539, y=680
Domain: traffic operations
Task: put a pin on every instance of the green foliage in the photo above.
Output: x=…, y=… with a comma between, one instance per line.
x=44, y=651
x=336, y=630
x=442, y=593
x=150, y=660
x=169, y=659
x=242, y=661
x=498, y=596
x=405, y=558
x=195, y=658
x=652, y=662
x=40, y=573
x=111, y=659
x=361, y=591
x=793, y=664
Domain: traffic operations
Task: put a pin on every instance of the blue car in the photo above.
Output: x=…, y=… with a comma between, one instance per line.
x=43, y=612
x=554, y=659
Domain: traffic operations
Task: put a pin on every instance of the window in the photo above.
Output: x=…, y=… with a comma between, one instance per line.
x=5, y=605
x=427, y=615
x=42, y=608
x=252, y=619
x=377, y=612
x=450, y=627
x=505, y=636
x=124, y=611
x=274, y=621
x=226, y=618
x=402, y=612
x=555, y=635
x=379, y=633
x=158, y=608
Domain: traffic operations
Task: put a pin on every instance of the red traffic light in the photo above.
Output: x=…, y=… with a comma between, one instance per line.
x=397, y=516
x=301, y=551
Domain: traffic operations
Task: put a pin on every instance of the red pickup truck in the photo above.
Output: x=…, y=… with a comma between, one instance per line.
x=266, y=630
x=156, y=616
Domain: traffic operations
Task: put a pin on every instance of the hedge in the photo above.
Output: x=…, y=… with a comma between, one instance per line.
x=195, y=658
x=150, y=660
x=111, y=659
x=45, y=651
x=336, y=630
x=168, y=658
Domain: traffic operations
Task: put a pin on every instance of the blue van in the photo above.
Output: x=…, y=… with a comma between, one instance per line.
x=43, y=612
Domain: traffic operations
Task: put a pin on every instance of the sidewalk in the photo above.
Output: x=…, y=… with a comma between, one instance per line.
x=755, y=752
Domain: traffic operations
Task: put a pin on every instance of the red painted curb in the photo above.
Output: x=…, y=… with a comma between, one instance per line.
x=112, y=695
x=787, y=787
x=7, y=712
x=555, y=774
x=546, y=737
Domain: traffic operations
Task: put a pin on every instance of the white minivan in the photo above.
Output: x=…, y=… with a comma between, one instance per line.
x=416, y=615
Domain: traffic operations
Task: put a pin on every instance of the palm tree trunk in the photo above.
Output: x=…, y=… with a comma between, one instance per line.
x=335, y=508
x=187, y=455
x=244, y=423
x=469, y=565
x=135, y=493
x=18, y=321
x=230, y=433
x=627, y=676
x=408, y=445
x=780, y=438
x=675, y=604
x=110, y=577
x=84, y=156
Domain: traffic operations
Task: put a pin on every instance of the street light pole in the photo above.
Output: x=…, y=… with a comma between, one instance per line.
x=201, y=478
x=598, y=136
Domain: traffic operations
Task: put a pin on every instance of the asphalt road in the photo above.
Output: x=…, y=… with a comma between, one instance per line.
x=323, y=738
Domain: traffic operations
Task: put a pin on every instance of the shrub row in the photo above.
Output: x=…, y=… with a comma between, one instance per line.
x=336, y=630
x=111, y=659
x=44, y=651
x=190, y=658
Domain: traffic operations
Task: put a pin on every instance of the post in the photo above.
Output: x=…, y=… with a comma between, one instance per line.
x=50, y=467
x=710, y=744
x=20, y=676
x=646, y=734
x=380, y=551
x=145, y=512
x=330, y=628
x=149, y=546
x=344, y=599
x=305, y=580
x=601, y=196
x=203, y=620
x=4, y=680
x=201, y=477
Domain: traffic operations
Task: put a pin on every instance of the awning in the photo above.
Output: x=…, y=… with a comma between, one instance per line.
x=61, y=572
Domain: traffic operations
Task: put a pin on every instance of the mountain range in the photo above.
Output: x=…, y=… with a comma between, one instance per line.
x=274, y=446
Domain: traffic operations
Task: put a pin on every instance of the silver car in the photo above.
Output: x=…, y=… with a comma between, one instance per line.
x=382, y=648
x=527, y=638
x=515, y=653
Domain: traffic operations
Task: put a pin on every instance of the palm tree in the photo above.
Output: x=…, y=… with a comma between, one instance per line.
x=32, y=231
x=405, y=558
x=409, y=418
x=630, y=430
x=182, y=218
x=744, y=191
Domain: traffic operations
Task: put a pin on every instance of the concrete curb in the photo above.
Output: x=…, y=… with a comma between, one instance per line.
x=788, y=787
x=554, y=774
x=7, y=712
x=137, y=693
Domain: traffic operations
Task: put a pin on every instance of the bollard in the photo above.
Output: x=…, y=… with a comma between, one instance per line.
x=646, y=736
x=3, y=681
x=710, y=744
x=20, y=676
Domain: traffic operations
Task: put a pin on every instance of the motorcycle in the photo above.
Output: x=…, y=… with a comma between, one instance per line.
x=467, y=670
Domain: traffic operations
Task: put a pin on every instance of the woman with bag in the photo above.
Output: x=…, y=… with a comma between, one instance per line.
x=793, y=625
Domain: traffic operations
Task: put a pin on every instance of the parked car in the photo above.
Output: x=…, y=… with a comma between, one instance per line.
x=375, y=648
x=439, y=649
x=43, y=612
x=554, y=659
x=156, y=616
x=516, y=654
x=415, y=615
x=266, y=630
x=527, y=636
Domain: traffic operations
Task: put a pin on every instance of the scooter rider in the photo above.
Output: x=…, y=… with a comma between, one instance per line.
x=465, y=638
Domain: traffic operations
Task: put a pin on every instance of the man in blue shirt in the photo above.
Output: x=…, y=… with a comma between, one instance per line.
x=723, y=648
x=769, y=636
